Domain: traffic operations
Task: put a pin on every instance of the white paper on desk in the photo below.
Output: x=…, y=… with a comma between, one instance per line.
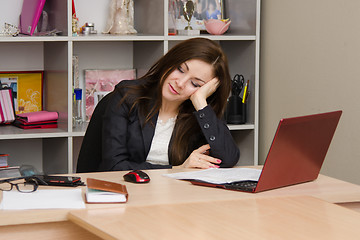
x=43, y=199
x=219, y=175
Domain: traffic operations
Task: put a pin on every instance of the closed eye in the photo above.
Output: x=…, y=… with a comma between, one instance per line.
x=195, y=84
x=180, y=69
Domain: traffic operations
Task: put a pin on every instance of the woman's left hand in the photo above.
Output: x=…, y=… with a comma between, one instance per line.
x=199, y=158
x=198, y=98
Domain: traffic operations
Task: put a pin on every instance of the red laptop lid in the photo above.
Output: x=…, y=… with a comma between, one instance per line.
x=298, y=150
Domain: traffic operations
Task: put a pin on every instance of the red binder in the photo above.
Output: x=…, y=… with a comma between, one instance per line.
x=35, y=125
x=40, y=119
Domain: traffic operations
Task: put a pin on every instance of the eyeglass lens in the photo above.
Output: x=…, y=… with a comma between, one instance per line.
x=21, y=187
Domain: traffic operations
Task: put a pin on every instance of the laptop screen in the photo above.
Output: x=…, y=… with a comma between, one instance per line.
x=298, y=150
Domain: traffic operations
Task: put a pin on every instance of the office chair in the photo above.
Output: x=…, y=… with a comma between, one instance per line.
x=91, y=148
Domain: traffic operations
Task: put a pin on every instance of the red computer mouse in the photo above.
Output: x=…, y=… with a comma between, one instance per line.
x=137, y=176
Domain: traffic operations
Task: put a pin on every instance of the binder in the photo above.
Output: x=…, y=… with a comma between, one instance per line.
x=7, y=110
x=43, y=124
x=30, y=14
x=39, y=119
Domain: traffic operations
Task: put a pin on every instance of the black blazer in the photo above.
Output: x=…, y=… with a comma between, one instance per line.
x=125, y=141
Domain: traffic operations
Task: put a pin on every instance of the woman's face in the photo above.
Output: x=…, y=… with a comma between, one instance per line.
x=185, y=80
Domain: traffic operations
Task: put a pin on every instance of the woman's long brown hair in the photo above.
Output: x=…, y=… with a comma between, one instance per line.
x=186, y=125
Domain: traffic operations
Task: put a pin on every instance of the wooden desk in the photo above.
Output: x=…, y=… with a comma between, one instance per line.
x=300, y=218
x=164, y=190
x=161, y=191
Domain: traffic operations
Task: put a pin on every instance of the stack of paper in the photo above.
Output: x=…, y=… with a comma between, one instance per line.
x=219, y=175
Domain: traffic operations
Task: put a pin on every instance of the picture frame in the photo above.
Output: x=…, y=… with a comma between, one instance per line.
x=98, y=83
x=27, y=87
x=204, y=10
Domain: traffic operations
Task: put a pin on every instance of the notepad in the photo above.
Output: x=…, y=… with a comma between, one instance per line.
x=43, y=199
x=99, y=191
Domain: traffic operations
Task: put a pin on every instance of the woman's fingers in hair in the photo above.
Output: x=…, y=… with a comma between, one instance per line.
x=215, y=83
x=198, y=98
x=210, y=87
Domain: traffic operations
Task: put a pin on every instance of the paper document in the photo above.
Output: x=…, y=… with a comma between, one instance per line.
x=219, y=175
x=43, y=199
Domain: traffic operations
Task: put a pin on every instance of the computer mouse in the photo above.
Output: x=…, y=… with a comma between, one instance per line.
x=137, y=176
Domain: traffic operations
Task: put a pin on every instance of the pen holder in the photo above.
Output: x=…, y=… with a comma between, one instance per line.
x=235, y=111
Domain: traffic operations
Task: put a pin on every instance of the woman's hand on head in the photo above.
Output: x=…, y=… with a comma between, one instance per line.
x=199, y=158
x=198, y=98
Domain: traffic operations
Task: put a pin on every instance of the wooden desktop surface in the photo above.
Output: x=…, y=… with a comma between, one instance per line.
x=161, y=191
x=164, y=190
x=300, y=218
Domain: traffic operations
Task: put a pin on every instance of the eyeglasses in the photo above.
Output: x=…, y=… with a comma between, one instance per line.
x=29, y=185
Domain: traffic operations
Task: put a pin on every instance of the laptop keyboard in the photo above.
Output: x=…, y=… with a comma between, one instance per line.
x=248, y=186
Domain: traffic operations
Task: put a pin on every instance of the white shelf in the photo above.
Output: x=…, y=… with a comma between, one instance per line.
x=234, y=127
x=57, y=149
x=11, y=132
x=24, y=38
x=79, y=131
x=107, y=37
x=215, y=37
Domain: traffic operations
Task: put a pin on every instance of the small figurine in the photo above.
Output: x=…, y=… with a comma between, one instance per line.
x=75, y=25
x=121, y=17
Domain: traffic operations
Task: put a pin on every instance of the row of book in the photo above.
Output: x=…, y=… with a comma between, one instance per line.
x=29, y=120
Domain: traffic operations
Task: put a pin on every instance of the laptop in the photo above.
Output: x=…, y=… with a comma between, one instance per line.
x=296, y=154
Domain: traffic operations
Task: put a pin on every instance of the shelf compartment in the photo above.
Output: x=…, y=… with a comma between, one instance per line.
x=148, y=15
x=245, y=141
x=45, y=154
x=242, y=15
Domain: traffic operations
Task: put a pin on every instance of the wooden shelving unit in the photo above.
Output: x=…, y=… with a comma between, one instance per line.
x=56, y=150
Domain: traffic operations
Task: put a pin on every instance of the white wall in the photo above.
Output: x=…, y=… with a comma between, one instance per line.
x=310, y=63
